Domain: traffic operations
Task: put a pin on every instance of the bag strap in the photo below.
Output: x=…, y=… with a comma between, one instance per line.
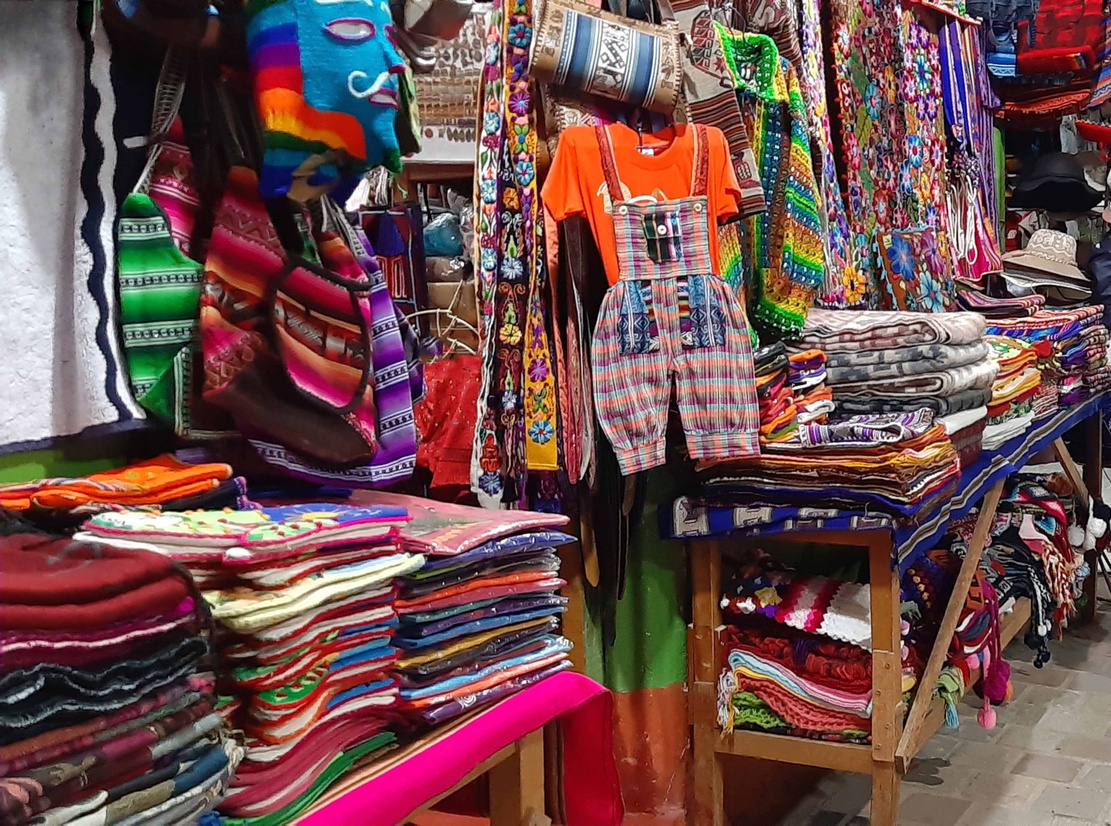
x=167, y=103
x=609, y=164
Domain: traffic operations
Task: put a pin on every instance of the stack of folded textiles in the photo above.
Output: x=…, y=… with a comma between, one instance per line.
x=896, y=463
x=893, y=362
x=1097, y=373
x=162, y=482
x=807, y=378
x=106, y=689
x=303, y=598
x=479, y=620
x=1062, y=346
x=1009, y=307
x=1016, y=385
x=966, y=431
x=778, y=413
x=796, y=654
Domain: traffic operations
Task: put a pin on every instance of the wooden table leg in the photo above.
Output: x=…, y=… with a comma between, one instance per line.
x=517, y=784
x=709, y=789
x=887, y=720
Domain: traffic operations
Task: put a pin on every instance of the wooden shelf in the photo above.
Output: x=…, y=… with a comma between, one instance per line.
x=1010, y=626
x=848, y=757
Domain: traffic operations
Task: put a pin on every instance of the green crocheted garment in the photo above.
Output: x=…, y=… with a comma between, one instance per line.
x=787, y=253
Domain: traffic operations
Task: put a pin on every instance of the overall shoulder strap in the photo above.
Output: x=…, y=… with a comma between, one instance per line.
x=609, y=163
x=700, y=169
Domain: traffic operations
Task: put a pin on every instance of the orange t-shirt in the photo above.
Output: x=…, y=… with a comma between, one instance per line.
x=576, y=182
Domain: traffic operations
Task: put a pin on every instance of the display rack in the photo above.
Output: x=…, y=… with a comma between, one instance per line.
x=897, y=734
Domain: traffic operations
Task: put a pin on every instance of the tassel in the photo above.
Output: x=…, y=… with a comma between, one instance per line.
x=986, y=716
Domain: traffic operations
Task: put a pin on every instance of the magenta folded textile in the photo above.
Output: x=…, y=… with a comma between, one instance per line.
x=584, y=709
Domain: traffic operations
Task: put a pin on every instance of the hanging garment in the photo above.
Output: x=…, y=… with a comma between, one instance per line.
x=787, y=251
x=844, y=283
x=671, y=314
x=710, y=98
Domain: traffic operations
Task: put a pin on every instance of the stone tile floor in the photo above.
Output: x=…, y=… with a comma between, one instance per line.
x=1047, y=761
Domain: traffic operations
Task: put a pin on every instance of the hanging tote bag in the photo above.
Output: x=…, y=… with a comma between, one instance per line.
x=580, y=48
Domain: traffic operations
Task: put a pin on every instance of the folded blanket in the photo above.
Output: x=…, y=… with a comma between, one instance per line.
x=957, y=402
x=847, y=330
x=956, y=422
x=867, y=430
x=945, y=383
x=865, y=365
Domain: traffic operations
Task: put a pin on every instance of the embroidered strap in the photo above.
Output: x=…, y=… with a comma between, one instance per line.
x=700, y=172
x=609, y=164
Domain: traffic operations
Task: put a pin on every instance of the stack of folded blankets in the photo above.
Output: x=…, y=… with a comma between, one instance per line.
x=796, y=654
x=162, y=482
x=1009, y=307
x=107, y=697
x=807, y=379
x=303, y=598
x=480, y=619
x=1016, y=387
x=1097, y=374
x=885, y=362
x=895, y=463
x=778, y=413
x=1069, y=356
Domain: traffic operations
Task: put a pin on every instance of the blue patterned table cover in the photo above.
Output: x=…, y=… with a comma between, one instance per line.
x=688, y=520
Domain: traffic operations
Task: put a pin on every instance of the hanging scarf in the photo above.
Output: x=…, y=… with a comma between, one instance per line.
x=517, y=409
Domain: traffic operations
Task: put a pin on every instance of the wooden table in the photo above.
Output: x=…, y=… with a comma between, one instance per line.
x=897, y=734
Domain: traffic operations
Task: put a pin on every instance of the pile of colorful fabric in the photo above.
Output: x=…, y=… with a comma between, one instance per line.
x=1072, y=360
x=895, y=463
x=161, y=482
x=303, y=598
x=796, y=654
x=807, y=378
x=1016, y=385
x=975, y=650
x=778, y=412
x=479, y=620
x=106, y=688
x=1031, y=555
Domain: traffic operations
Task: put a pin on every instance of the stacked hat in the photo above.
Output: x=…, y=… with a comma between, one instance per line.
x=303, y=598
x=107, y=697
x=1047, y=265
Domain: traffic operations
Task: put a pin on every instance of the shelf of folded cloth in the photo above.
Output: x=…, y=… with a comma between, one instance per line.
x=878, y=489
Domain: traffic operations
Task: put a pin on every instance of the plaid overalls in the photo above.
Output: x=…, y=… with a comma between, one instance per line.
x=671, y=315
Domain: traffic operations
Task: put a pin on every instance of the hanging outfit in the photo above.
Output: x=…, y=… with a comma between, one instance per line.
x=670, y=314
x=787, y=249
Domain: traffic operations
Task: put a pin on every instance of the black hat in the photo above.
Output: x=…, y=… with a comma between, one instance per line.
x=1056, y=183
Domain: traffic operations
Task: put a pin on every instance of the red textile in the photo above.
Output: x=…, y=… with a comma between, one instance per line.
x=42, y=571
x=446, y=419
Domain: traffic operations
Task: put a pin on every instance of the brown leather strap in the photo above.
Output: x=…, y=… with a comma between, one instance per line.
x=609, y=164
